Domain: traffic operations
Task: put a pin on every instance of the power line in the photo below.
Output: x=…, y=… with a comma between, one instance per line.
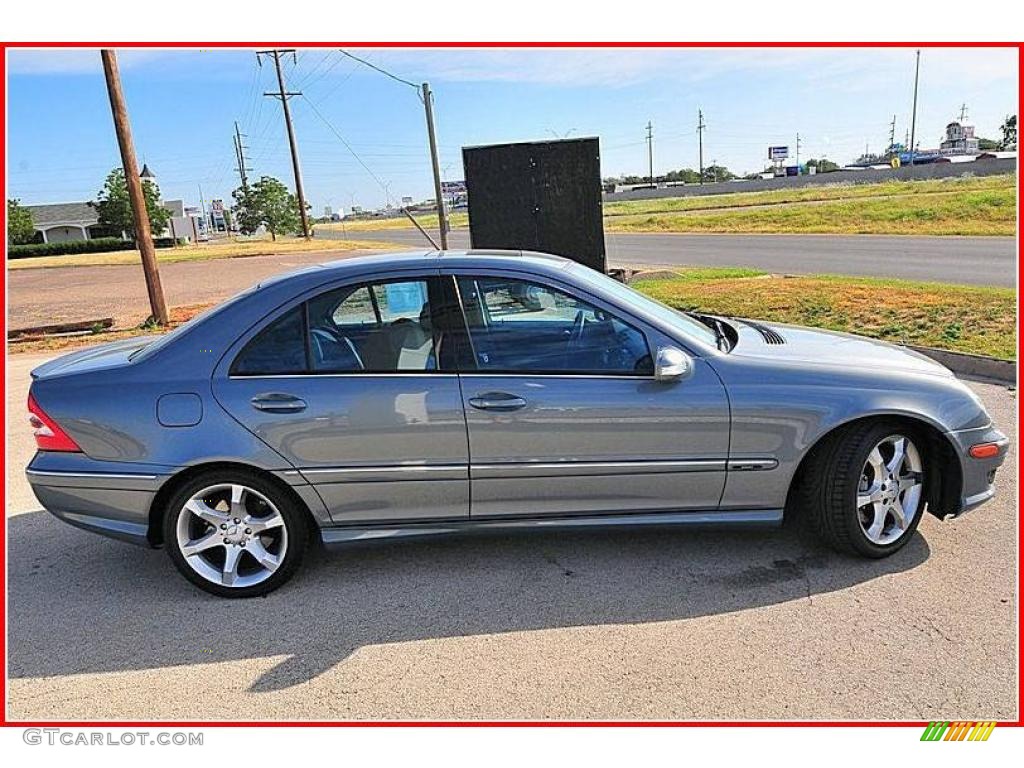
x=348, y=146
x=379, y=69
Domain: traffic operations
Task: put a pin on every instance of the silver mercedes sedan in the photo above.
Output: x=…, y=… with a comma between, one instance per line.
x=433, y=393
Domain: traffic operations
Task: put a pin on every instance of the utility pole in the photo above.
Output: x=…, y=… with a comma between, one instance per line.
x=913, y=113
x=442, y=216
x=140, y=217
x=284, y=95
x=202, y=203
x=963, y=112
x=892, y=133
x=240, y=151
x=700, y=142
x=798, y=153
x=650, y=154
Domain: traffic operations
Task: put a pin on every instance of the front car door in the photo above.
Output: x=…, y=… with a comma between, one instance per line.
x=347, y=384
x=564, y=414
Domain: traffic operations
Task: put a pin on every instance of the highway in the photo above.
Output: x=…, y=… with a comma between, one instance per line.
x=971, y=260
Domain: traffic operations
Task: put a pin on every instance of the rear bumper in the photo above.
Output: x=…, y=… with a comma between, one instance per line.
x=111, y=504
x=978, y=474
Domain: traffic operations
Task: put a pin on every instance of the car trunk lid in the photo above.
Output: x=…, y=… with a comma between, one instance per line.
x=112, y=355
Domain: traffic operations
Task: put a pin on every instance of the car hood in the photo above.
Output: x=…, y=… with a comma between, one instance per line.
x=109, y=355
x=812, y=346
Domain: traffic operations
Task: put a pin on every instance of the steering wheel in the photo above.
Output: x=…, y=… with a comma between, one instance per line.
x=576, y=334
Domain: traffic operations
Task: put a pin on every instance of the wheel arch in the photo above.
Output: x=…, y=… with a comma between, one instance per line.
x=158, y=507
x=944, y=475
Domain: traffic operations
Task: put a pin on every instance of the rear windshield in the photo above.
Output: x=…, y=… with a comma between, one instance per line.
x=203, y=316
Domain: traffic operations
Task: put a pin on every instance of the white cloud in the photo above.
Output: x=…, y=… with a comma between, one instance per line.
x=628, y=66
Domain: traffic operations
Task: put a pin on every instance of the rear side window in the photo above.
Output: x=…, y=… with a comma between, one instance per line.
x=378, y=327
x=280, y=348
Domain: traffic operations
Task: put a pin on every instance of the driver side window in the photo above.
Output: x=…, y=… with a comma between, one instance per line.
x=518, y=326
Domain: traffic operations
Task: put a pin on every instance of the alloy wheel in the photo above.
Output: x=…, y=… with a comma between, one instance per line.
x=232, y=535
x=890, y=489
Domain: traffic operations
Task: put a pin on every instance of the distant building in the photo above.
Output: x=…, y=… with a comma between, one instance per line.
x=959, y=140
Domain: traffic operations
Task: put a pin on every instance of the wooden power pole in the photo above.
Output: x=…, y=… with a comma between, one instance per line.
x=143, y=235
x=284, y=95
x=442, y=217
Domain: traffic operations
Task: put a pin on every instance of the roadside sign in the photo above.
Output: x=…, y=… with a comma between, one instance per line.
x=778, y=153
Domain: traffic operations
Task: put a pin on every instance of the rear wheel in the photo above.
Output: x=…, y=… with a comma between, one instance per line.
x=865, y=489
x=235, y=534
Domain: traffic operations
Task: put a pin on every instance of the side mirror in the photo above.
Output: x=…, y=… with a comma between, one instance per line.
x=672, y=364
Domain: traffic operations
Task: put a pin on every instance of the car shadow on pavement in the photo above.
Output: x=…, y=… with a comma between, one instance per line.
x=79, y=603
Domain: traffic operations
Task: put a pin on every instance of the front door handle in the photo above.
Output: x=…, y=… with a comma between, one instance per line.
x=278, y=402
x=497, y=401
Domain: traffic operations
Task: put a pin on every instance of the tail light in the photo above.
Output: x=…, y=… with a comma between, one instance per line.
x=49, y=436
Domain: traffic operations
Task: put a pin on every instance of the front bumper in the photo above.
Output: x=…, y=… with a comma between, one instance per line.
x=978, y=475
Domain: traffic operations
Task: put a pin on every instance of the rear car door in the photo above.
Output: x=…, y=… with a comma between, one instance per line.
x=348, y=386
x=564, y=414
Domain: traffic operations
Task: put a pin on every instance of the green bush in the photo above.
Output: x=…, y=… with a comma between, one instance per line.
x=99, y=245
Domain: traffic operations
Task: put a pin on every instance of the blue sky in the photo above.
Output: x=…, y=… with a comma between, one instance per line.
x=183, y=104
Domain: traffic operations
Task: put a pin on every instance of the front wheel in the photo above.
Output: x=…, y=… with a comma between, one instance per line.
x=235, y=534
x=865, y=489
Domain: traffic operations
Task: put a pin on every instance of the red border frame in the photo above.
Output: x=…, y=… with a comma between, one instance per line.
x=4, y=722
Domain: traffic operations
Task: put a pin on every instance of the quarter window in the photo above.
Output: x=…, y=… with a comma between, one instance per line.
x=517, y=326
x=277, y=349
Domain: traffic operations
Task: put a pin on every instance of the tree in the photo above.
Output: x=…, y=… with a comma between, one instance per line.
x=988, y=145
x=1009, y=129
x=717, y=173
x=267, y=203
x=822, y=165
x=19, y=224
x=114, y=209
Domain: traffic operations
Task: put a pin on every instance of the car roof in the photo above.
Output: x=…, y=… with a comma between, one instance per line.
x=482, y=257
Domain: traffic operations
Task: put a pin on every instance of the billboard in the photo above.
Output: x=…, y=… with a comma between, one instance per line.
x=778, y=153
x=538, y=196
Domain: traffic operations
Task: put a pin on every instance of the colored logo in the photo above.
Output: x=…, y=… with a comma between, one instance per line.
x=959, y=731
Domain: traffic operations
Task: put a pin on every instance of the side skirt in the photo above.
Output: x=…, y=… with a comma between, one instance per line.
x=765, y=518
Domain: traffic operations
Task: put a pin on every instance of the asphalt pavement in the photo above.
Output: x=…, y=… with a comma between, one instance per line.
x=611, y=625
x=970, y=260
x=66, y=294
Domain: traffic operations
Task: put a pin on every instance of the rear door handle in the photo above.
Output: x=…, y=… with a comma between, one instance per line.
x=497, y=401
x=278, y=402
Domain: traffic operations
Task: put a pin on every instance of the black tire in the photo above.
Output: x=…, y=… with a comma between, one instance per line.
x=296, y=526
x=828, y=491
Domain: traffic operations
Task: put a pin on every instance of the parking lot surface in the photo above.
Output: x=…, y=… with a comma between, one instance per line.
x=671, y=624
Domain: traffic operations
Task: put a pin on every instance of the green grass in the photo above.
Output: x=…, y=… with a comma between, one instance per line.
x=984, y=209
x=823, y=193
x=977, y=320
x=956, y=206
x=200, y=252
x=426, y=220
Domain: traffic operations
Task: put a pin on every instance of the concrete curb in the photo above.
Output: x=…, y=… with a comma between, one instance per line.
x=964, y=364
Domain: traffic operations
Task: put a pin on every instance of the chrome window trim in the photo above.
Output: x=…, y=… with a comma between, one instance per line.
x=353, y=374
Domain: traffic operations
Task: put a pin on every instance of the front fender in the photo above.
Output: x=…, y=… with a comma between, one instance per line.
x=782, y=412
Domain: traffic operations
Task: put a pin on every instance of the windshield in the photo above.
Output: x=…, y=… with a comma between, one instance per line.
x=687, y=325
